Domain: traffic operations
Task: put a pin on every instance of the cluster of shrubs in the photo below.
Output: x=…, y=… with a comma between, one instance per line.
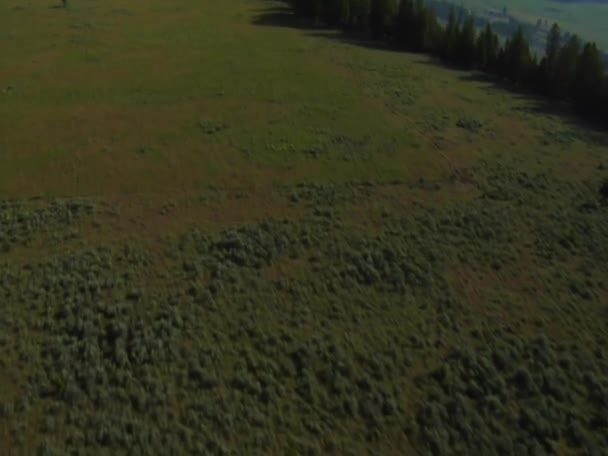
x=568, y=217
x=570, y=70
x=214, y=349
x=514, y=396
x=315, y=195
x=412, y=252
x=20, y=221
x=113, y=363
x=384, y=263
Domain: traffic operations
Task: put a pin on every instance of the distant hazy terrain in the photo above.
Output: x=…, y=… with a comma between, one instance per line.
x=586, y=18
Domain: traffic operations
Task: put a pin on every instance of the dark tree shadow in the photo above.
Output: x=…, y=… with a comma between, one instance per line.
x=534, y=102
x=276, y=17
x=282, y=16
x=354, y=38
x=539, y=104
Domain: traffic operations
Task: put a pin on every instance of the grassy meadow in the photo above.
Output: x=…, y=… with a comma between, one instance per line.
x=221, y=233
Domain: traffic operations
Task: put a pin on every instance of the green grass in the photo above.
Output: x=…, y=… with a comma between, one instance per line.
x=222, y=237
x=158, y=75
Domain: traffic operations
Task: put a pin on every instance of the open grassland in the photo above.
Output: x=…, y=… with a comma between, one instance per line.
x=220, y=234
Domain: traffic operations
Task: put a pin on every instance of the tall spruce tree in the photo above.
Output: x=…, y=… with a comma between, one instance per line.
x=501, y=66
x=380, y=16
x=466, y=43
x=418, y=35
x=424, y=23
x=452, y=31
x=553, y=45
x=336, y=12
x=554, y=42
x=310, y=9
x=517, y=58
x=402, y=31
x=589, y=80
x=540, y=77
x=433, y=31
x=487, y=49
x=359, y=13
x=565, y=67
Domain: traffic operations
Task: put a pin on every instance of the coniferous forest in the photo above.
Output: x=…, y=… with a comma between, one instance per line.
x=571, y=70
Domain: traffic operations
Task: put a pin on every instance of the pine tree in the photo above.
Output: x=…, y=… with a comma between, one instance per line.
x=532, y=74
x=554, y=40
x=359, y=13
x=412, y=26
x=589, y=79
x=494, y=47
x=336, y=12
x=452, y=31
x=487, y=49
x=419, y=27
x=402, y=31
x=517, y=58
x=466, y=43
x=540, y=78
x=501, y=65
x=424, y=27
x=380, y=16
x=305, y=8
x=481, y=52
x=310, y=9
x=565, y=67
x=433, y=31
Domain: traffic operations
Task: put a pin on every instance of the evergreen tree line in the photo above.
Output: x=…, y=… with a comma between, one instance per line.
x=570, y=69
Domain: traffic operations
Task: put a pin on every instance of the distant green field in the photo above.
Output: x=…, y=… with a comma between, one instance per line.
x=586, y=18
x=223, y=234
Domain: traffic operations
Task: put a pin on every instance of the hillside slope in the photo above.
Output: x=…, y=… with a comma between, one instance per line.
x=224, y=234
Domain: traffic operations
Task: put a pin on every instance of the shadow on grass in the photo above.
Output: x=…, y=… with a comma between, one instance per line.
x=282, y=16
x=278, y=15
x=355, y=38
x=538, y=104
